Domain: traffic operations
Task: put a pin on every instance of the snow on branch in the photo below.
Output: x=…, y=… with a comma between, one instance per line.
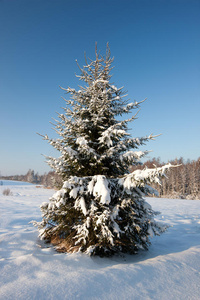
x=140, y=178
x=133, y=155
x=85, y=148
x=139, y=141
x=98, y=186
x=110, y=133
x=130, y=106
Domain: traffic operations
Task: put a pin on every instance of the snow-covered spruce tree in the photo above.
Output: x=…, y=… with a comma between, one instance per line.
x=100, y=209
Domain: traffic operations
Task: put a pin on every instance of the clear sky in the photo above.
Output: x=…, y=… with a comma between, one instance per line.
x=156, y=45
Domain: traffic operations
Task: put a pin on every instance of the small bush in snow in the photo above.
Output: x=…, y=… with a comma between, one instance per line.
x=7, y=192
x=100, y=210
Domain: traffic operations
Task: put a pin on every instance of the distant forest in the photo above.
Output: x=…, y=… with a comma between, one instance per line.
x=48, y=180
x=182, y=182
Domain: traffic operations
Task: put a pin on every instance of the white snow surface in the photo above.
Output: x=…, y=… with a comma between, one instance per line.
x=101, y=189
x=30, y=269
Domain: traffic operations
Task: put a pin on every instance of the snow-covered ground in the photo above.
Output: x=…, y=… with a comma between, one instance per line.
x=31, y=270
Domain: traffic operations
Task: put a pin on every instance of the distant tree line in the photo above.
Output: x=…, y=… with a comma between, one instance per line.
x=50, y=179
x=181, y=182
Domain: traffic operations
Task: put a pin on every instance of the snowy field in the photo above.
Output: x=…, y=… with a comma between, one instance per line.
x=31, y=270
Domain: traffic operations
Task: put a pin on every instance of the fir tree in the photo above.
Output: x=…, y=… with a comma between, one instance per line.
x=100, y=209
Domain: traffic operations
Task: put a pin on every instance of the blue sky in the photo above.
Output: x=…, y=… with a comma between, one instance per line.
x=156, y=45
